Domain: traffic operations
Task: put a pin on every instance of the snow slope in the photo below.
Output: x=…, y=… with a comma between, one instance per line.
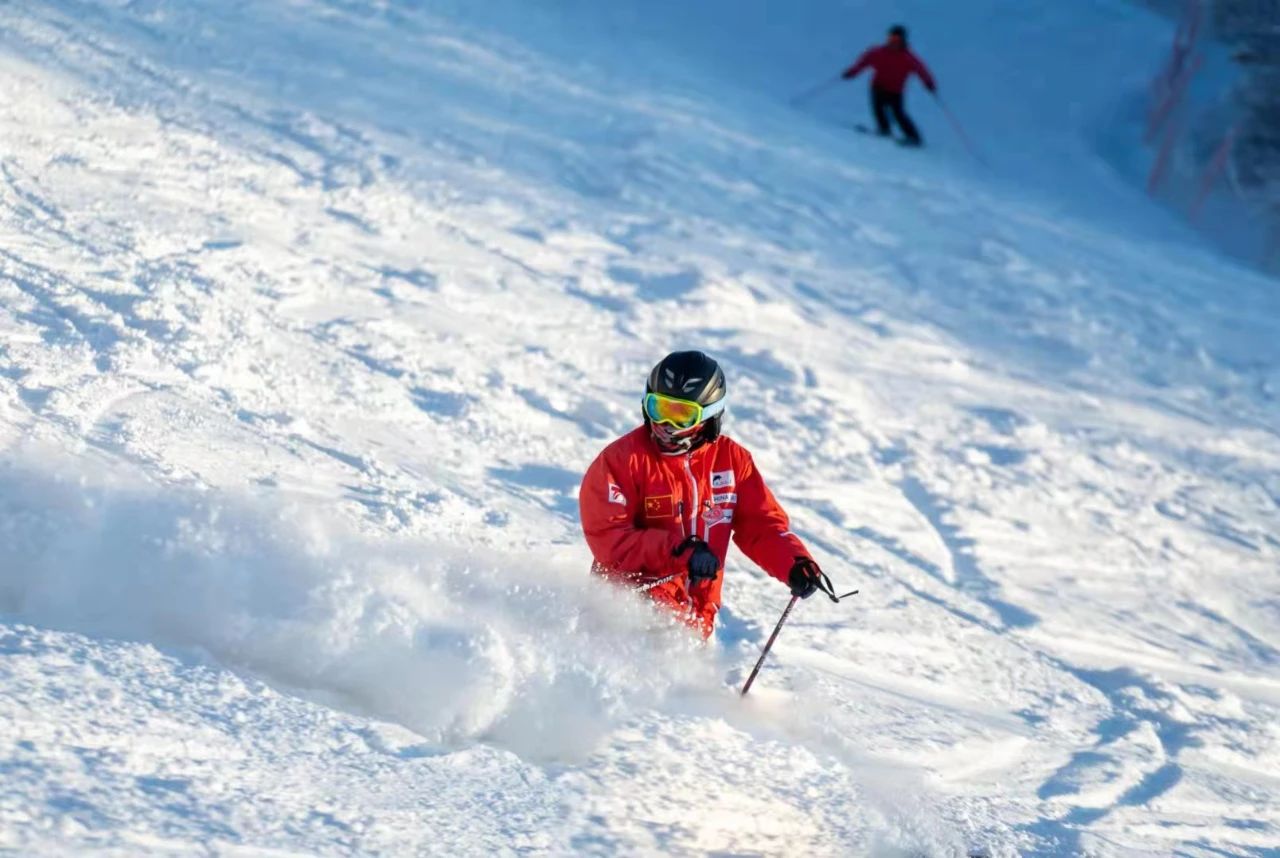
x=312, y=314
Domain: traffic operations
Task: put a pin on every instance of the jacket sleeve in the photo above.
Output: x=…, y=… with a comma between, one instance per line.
x=856, y=69
x=607, y=504
x=761, y=527
x=925, y=77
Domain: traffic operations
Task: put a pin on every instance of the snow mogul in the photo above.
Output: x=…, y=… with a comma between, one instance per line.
x=659, y=504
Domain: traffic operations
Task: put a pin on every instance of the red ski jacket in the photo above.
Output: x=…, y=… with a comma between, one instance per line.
x=892, y=67
x=638, y=505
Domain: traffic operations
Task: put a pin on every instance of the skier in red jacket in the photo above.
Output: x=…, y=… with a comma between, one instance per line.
x=893, y=63
x=659, y=504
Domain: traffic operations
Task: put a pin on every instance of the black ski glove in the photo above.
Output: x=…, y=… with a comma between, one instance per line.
x=703, y=563
x=804, y=578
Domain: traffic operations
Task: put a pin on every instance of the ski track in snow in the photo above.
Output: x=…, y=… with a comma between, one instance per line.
x=312, y=315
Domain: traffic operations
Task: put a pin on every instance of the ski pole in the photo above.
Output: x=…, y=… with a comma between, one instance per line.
x=824, y=584
x=955, y=124
x=768, y=646
x=814, y=90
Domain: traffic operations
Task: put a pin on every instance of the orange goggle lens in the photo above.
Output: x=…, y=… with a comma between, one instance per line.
x=680, y=413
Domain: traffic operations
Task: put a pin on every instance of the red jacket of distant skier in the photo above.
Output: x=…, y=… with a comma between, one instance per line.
x=892, y=66
x=638, y=505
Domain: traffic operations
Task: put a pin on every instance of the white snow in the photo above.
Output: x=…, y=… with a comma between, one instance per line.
x=313, y=313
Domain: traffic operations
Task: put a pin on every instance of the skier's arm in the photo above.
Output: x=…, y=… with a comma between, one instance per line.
x=856, y=69
x=761, y=528
x=608, y=503
x=925, y=77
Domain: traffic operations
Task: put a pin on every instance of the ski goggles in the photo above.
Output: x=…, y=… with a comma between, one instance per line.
x=680, y=413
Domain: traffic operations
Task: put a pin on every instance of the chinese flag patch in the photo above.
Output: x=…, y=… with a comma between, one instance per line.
x=658, y=507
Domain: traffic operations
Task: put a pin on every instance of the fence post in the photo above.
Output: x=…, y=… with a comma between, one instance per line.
x=1216, y=165
x=1172, y=81
x=1173, y=99
x=1160, y=170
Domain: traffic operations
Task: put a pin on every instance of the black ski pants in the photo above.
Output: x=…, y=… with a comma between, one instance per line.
x=885, y=104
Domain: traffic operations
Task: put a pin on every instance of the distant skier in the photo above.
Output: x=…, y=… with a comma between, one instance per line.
x=893, y=63
x=658, y=505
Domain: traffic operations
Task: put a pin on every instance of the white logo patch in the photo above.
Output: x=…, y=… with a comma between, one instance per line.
x=717, y=515
x=728, y=497
x=616, y=495
x=721, y=479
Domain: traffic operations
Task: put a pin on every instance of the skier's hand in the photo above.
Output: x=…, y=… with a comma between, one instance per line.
x=703, y=565
x=804, y=578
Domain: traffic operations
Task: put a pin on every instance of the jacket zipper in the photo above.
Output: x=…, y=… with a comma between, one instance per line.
x=680, y=516
x=693, y=483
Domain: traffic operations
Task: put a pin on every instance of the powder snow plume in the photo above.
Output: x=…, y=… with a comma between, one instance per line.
x=456, y=646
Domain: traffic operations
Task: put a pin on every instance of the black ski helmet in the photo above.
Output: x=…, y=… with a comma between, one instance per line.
x=899, y=31
x=694, y=376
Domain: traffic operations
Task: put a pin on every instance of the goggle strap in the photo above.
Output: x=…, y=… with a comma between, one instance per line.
x=714, y=408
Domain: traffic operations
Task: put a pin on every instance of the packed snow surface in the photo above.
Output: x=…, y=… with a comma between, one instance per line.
x=312, y=313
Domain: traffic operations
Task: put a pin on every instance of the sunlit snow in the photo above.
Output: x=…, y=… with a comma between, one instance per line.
x=312, y=315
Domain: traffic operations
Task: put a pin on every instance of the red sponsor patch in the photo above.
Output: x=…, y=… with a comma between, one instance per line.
x=659, y=507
